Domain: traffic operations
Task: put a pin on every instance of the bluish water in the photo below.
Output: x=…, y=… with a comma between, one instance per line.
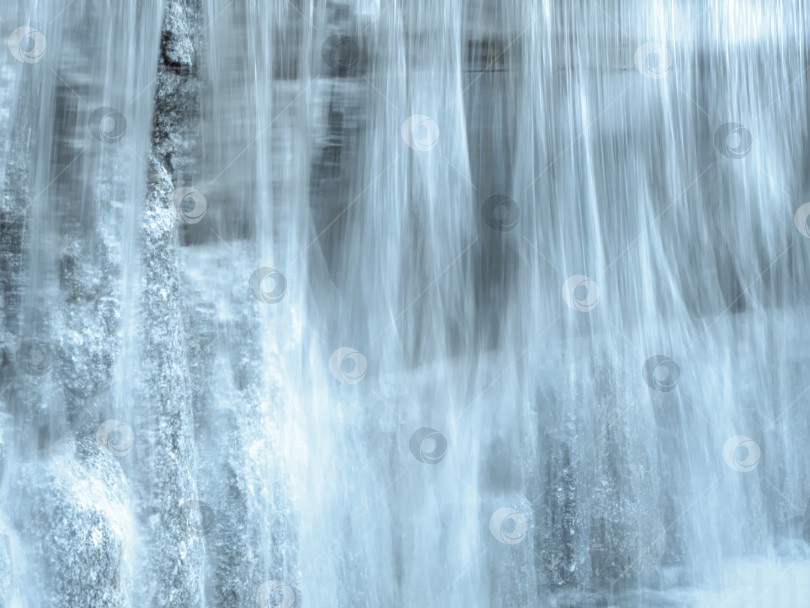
x=404, y=303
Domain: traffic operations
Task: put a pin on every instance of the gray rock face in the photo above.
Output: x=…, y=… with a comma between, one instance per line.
x=15, y=200
x=176, y=128
x=87, y=349
x=252, y=536
x=86, y=548
x=169, y=477
x=176, y=521
x=6, y=571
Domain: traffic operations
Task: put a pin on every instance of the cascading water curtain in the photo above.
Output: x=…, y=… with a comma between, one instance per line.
x=399, y=303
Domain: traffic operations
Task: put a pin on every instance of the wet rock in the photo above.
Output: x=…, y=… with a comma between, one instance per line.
x=5, y=571
x=511, y=553
x=576, y=599
x=201, y=323
x=177, y=46
x=6, y=562
x=560, y=545
x=627, y=536
x=253, y=537
x=6, y=343
x=87, y=351
x=169, y=474
x=168, y=477
x=5, y=424
x=79, y=278
x=87, y=328
x=15, y=199
x=176, y=126
x=79, y=529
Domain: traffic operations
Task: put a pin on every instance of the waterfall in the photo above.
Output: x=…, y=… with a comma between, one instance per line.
x=404, y=303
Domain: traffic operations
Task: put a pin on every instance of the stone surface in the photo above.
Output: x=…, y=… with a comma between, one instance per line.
x=86, y=549
x=168, y=475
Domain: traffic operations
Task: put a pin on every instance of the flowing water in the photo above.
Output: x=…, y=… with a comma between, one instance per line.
x=404, y=303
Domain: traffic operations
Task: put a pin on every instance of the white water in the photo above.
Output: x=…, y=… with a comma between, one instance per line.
x=604, y=124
